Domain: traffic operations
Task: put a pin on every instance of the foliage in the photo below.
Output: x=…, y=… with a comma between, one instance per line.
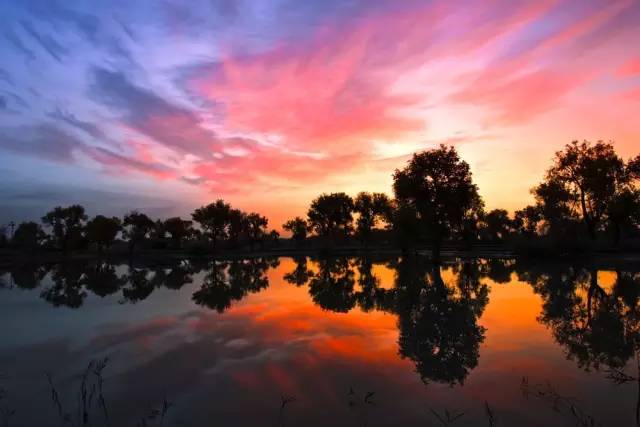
x=439, y=188
x=66, y=225
x=103, y=231
x=330, y=215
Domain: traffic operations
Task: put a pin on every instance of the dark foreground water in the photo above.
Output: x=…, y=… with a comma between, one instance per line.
x=333, y=342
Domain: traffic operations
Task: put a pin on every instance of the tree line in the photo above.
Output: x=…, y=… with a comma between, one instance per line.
x=588, y=193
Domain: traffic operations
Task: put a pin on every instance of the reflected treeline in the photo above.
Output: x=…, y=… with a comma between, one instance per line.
x=437, y=318
x=228, y=281
x=69, y=284
x=595, y=319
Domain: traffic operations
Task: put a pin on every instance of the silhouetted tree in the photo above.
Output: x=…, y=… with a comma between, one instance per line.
x=556, y=207
x=591, y=175
x=298, y=228
x=66, y=225
x=3, y=236
x=214, y=220
x=371, y=208
x=238, y=223
x=497, y=224
x=256, y=227
x=28, y=236
x=179, y=230
x=136, y=228
x=103, y=231
x=438, y=186
x=330, y=215
x=406, y=226
x=525, y=221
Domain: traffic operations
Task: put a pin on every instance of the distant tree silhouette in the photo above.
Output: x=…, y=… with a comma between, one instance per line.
x=298, y=228
x=256, y=228
x=526, y=220
x=439, y=188
x=238, y=224
x=136, y=228
x=371, y=208
x=214, y=220
x=28, y=236
x=406, y=226
x=330, y=215
x=103, y=231
x=497, y=225
x=66, y=225
x=3, y=236
x=274, y=237
x=179, y=230
x=591, y=175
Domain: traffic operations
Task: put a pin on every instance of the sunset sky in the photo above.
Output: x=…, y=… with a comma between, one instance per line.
x=167, y=105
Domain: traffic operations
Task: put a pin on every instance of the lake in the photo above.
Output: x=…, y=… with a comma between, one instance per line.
x=380, y=341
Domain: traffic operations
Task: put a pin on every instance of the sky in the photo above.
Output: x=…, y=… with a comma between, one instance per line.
x=166, y=105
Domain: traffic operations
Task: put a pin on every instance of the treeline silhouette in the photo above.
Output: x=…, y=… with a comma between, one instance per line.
x=589, y=199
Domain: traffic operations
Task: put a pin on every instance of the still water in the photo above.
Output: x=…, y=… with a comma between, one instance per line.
x=319, y=342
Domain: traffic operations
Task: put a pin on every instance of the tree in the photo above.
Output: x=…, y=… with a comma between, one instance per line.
x=438, y=186
x=555, y=207
x=3, y=236
x=66, y=224
x=213, y=219
x=330, y=215
x=591, y=174
x=137, y=227
x=256, y=227
x=298, y=228
x=525, y=221
x=28, y=235
x=238, y=224
x=497, y=224
x=178, y=229
x=371, y=208
x=103, y=231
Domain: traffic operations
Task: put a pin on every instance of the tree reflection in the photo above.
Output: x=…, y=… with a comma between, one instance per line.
x=332, y=288
x=66, y=288
x=438, y=321
x=229, y=281
x=595, y=326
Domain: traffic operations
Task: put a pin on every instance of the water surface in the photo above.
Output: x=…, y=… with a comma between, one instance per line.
x=319, y=342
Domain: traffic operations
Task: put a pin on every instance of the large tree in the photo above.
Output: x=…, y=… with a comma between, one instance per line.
x=28, y=235
x=256, y=225
x=103, y=231
x=591, y=175
x=438, y=186
x=330, y=215
x=179, y=230
x=214, y=220
x=371, y=209
x=66, y=225
x=136, y=228
x=298, y=228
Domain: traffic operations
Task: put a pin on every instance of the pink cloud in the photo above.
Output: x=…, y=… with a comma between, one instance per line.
x=630, y=68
